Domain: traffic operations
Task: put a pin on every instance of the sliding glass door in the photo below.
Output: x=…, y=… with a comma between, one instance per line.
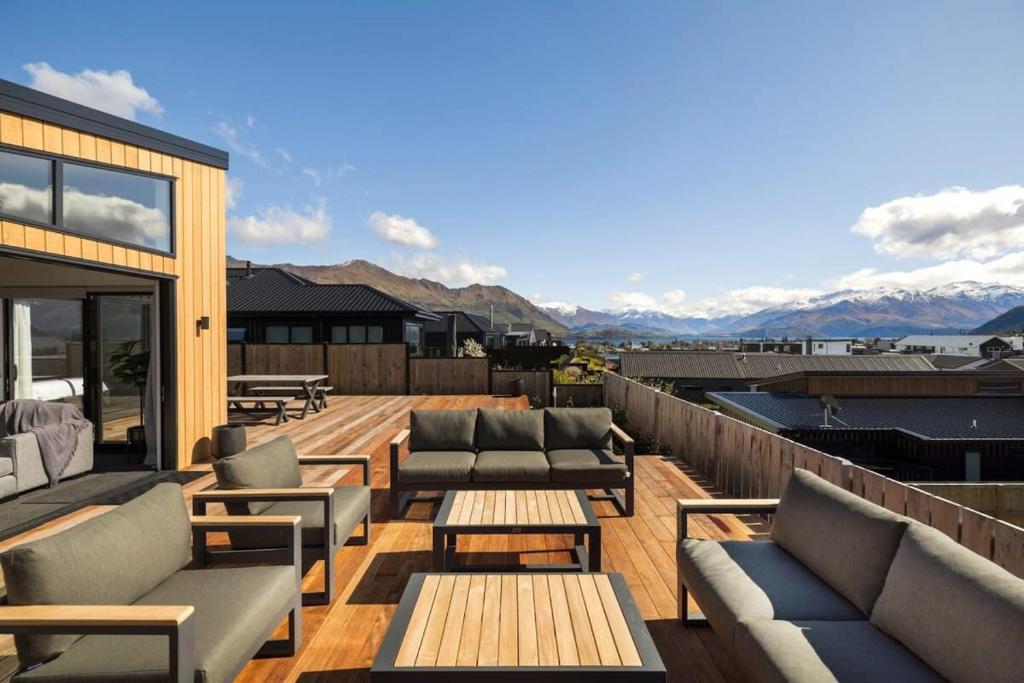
x=122, y=381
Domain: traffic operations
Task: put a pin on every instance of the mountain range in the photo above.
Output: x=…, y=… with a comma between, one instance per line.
x=508, y=306
x=1011, y=322
x=881, y=312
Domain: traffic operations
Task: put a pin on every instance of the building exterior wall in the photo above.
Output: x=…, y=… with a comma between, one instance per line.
x=197, y=264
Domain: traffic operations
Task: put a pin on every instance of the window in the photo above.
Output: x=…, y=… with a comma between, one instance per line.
x=357, y=334
x=302, y=334
x=339, y=334
x=116, y=206
x=375, y=334
x=236, y=334
x=26, y=187
x=412, y=337
x=277, y=334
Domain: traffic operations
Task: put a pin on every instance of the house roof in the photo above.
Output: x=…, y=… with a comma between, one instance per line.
x=481, y=322
x=274, y=290
x=756, y=366
x=952, y=362
x=970, y=418
x=948, y=339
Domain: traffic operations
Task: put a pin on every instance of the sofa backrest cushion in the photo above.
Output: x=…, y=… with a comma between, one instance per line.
x=271, y=465
x=442, y=430
x=845, y=540
x=957, y=611
x=509, y=430
x=566, y=428
x=113, y=559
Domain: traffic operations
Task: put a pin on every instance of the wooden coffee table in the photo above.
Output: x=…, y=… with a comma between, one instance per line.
x=504, y=627
x=518, y=512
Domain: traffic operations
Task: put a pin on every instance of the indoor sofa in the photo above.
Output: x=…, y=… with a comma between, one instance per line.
x=119, y=598
x=554, y=448
x=21, y=464
x=846, y=590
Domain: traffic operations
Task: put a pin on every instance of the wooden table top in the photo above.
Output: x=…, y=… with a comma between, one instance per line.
x=515, y=508
x=269, y=379
x=521, y=620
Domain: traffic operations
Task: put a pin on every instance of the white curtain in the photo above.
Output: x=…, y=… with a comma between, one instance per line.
x=22, y=349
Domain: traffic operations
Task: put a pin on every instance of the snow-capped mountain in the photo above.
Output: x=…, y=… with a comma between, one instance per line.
x=846, y=313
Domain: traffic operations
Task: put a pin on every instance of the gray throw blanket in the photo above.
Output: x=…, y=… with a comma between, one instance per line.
x=56, y=426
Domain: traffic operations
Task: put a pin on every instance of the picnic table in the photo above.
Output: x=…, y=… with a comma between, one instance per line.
x=307, y=384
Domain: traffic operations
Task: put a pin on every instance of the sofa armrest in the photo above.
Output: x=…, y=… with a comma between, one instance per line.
x=23, y=450
x=290, y=525
x=628, y=446
x=395, y=449
x=175, y=622
x=363, y=460
x=725, y=506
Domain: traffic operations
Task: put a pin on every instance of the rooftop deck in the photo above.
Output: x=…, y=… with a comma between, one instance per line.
x=340, y=640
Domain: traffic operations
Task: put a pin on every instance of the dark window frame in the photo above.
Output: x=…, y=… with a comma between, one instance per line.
x=57, y=162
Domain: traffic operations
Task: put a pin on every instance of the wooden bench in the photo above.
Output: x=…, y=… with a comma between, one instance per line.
x=260, y=402
x=510, y=627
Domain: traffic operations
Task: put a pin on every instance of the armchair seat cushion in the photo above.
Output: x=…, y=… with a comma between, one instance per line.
x=573, y=465
x=236, y=609
x=437, y=467
x=6, y=466
x=845, y=651
x=351, y=503
x=511, y=466
x=737, y=580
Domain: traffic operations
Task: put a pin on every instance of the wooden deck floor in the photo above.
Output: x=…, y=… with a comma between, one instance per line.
x=341, y=640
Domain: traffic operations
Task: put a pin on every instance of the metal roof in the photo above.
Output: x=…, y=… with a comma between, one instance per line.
x=963, y=418
x=274, y=290
x=756, y=366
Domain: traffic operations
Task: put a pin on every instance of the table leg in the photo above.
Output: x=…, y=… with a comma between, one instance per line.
x=306, y=386
x=594, y=550
x=439, y=551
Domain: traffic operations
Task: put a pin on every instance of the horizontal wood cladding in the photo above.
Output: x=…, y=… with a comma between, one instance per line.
x=198, y=263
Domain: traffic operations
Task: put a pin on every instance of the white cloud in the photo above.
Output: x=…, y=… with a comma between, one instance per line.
x=284, y=154
x=746, y=300
x=634, y=300
x=110, y=91
x=339, y=170
x=279, y=225
x=233, y=190
x=674, y=297
x=314, y=174
x=458, y=273
x=561, y=307
x=955, y=222
x=401, y=230
x=250, y=121
x=633, y=278
x=229, y=133
x=1007, y=270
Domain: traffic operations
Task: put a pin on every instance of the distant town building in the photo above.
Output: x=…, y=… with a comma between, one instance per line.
x=981, y=346
x=801, y=347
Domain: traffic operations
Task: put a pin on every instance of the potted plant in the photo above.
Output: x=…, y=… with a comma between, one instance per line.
x=132, y=368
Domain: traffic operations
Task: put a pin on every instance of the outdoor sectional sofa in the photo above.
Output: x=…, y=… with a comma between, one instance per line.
x=846, y=590
x=554, y=448
x=118, y=597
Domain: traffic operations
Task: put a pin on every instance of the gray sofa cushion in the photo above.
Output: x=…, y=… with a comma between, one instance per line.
x=272, y=465
x=735, y=580
x=819, y=651
x=236, y=609
x=586, y=465
x=436, y=467
x=112, y=559
x=351, y=504
x=959, y=612
x=566, y=428
x=442, y=430
x=509, y=430
x=847, y=541
x=511, y=466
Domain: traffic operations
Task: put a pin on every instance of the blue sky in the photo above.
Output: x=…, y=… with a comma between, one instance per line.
x=689, y=156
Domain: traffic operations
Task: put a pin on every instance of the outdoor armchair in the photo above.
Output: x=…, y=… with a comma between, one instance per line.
x=266, y=480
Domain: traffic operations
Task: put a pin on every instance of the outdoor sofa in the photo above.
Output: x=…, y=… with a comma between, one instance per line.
x=266, y=480
x=846, y=590
x=554, y=448
x=118, y=597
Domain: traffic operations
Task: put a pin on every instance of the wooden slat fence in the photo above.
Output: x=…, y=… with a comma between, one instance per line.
x=538, y=383
x=283, y=359
x=449, y=375
x=578, y=395
x=1002, y=500
x=748, y=462
x=367, y=369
